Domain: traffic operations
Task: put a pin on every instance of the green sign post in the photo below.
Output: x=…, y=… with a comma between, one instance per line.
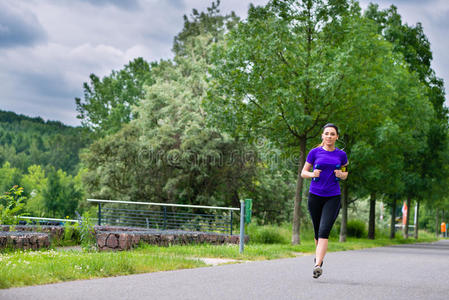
x=248, y=210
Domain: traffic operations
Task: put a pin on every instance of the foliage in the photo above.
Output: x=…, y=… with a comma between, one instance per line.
x=426, y=170
x=356, y=228
x=9, y=176
x=87, y=233
x=11, y=205
x=108, y=101
x=60, y=194
x=26, y=141
x=168, y=153
x=34, y=183
x=209, y=23
x=296, y=65
x=72, y=234
x=267, y=234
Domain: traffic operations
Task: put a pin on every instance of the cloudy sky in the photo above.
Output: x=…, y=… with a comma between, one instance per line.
x=48, y=48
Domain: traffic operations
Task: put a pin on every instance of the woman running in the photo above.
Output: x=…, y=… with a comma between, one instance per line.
x=329, y=166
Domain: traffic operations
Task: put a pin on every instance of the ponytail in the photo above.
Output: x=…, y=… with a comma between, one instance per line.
x=320, y=145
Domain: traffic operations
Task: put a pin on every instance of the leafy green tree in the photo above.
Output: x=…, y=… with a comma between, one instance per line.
x=52, y=193
x=60, y=195
x=197, y=160
x=294, y=66
x=428, y=168
x=168, y=153
x=34, y=183
x=11, y=205
x=83, y=205
x=115, y=169
x=210, y=23
x=9, y=177
x=108, y=101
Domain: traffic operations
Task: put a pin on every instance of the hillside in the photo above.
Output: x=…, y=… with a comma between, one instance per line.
x=25, y=141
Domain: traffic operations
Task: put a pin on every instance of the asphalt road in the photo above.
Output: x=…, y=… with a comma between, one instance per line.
x=418, y=271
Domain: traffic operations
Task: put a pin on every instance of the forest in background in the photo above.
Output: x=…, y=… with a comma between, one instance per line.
x=232, y=115
x=43, y=158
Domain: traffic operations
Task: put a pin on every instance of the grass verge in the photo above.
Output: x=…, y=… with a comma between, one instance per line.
x=24, y=268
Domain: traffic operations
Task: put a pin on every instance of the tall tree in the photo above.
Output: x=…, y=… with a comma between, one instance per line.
x=287, y=70
x=427, y=168
x=168, y=153
x=61, y=197
x=34, y=184
x=210, y=23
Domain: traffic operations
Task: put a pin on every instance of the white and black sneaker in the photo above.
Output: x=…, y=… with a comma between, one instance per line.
x=317, y=271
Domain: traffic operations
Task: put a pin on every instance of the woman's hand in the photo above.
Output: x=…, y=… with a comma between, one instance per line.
x=340, y=174
x=305, y=173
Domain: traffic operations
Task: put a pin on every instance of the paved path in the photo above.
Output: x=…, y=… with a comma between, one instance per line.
x=400, y=272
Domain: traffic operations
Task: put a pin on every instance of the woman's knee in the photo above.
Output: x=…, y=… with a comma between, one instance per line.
x=324, y=234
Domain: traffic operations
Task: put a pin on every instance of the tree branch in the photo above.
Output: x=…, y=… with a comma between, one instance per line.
x=281, y=56
x=286, y=122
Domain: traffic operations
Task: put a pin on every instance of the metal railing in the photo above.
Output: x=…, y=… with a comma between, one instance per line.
x=49, y=219
x=112, y=212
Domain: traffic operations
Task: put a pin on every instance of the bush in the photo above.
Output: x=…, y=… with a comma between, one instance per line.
x=11, y=205
x=87, y=233
x=356, y=228
x=71, y=233
x=266, y=234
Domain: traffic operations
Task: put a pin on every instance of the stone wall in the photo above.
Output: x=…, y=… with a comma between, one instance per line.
x=24, y=240
x=110, y=237
x=53, y=231
x=114, y=241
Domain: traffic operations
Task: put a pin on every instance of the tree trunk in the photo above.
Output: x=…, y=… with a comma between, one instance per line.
x=409, y=200
x=393, y=220
x=344, y=214
x=298, y=194
x=417, y=219
x=372, y=217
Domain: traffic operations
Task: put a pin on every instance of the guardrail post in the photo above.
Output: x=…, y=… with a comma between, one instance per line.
x=165, y=218
x=230, y=223
x=99, y=213
x=242, y=225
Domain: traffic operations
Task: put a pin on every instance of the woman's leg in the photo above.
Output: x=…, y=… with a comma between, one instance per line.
x=321, y=250
x=329, y=214
x=315, y=206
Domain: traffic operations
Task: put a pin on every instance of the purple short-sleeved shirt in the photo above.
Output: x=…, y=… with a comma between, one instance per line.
x=326, y=186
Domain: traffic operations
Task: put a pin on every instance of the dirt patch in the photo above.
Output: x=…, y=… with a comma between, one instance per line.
x=220, y=261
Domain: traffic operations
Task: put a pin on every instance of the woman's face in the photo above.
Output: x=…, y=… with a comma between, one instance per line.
x=329, y=136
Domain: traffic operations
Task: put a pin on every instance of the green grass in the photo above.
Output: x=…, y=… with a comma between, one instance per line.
x=22, y=268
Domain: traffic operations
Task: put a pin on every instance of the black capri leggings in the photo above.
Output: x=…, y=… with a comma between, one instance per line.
x=324, y=212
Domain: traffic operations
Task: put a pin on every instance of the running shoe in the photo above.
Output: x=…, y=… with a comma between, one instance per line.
x=317, y=271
